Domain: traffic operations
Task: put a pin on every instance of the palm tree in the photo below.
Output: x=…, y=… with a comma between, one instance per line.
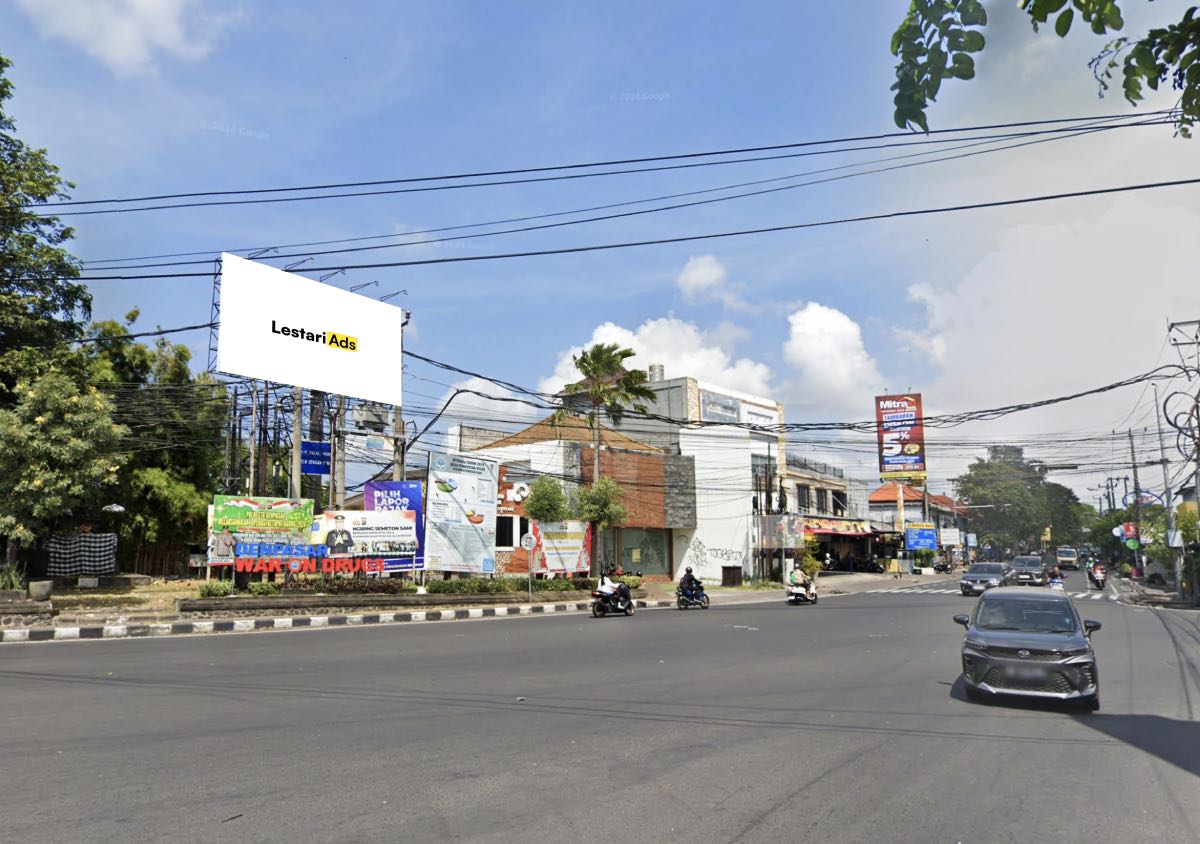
x=609, y=388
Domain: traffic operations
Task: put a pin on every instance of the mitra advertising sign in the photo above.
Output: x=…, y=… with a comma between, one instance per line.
x=901, y=436
x=460, y=520
x=286, y=328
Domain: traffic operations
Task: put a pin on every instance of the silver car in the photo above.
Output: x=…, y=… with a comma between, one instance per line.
x=1028, y=570
x=1030, y=643
x=981, y=577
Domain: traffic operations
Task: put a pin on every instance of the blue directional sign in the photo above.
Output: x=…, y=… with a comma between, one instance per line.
x=314, y=458
x=921, y=536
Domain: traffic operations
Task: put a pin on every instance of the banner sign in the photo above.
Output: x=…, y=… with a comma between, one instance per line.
x=791, y=531
x=404, y=496
x=367, y=533
x=901, y=437
x=294, y=330
x=562, y=547
x=314, y=458
x=951, y=536
x=921, y=536
x=460, y=522
x=244, y=520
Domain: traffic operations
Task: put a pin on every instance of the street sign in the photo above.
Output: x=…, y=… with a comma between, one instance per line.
x=972, y=540
x=528, y=542
x=1129, y=529
x=1133, y=544
x=1117, y=532
x=314, y=457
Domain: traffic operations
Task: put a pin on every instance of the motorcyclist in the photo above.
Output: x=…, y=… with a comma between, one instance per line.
x=688, y=583
x=609, y=586
x=799, y=577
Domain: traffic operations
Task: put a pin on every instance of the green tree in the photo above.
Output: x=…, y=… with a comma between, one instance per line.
x=59, y=454
x=41, y=308
x=546, y=501
x=176, y=449
x=937, y=40
x=607, y=388
x=601, y=504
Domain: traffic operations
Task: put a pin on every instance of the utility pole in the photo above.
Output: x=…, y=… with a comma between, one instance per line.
x=1169, y=500
x=339, y=449
x=251, y=488
x=399, y=458
x=1137, y=502
x=294, y=490
x=316, y=433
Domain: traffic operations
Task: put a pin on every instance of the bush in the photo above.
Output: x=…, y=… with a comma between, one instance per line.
x=216, y=588
x=341, y=585
x=515, y=584
x=12, y=577
x=263, y=588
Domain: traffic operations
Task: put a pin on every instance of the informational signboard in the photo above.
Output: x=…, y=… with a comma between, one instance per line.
x=294, y=330
x=400, y=495
x=314, y=457
x=921, y=536
x=951, y=536
x=367, y=533
x=901, y=437
x=460, y=523
x=260, y=521
x=972, y=541
x=561, y=547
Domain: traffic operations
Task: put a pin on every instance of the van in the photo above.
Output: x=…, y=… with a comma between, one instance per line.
x=1066, y=557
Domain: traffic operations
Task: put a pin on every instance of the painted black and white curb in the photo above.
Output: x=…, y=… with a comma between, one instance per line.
x=294, y=622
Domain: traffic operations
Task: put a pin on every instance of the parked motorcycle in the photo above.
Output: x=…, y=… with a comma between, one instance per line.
x=696, y=598
x=797, y=594
x=603, y=604
x=943, y=567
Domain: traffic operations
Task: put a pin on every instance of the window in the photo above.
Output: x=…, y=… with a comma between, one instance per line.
x=804, y=498
x=504, y=532
x=839, y=502
x=822, y=501
x=524, y=528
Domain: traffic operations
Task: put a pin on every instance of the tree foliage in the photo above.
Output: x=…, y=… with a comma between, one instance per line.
x=937, y=40
x=40, y=306
x=607, y=388
x=601, y=504
x=1014, y=501
x=59, y=454
x=546, y=501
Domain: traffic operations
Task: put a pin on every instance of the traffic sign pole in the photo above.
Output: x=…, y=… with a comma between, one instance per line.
x=528, y=543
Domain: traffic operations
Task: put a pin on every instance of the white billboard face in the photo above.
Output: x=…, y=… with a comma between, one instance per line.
x=286, y=328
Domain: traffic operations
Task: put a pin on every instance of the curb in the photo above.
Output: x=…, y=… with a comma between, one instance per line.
x=293, y=622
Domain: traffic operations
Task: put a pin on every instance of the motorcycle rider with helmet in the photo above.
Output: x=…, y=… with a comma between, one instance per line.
x=688, y=583
x=799, y=577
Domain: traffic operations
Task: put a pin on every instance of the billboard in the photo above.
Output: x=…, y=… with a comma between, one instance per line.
x=920, y=536
x=951, y=536
x=460, y=519
x=400, y=495
x=245, y=520
x=901, y=437
x=562, y=547
x=715, y=407
x=286, y=328
x=367, y=533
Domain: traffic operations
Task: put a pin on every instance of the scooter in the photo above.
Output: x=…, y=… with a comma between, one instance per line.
x=797, y=594
x=1057, y=585
x=697, y=598
x=1100, y=578
x=603, y=604
x=943, y=567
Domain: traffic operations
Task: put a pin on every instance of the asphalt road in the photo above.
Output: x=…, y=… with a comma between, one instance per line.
x=757, y=722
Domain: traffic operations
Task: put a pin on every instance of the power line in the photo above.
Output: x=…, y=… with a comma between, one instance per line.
x=1077, y=132
x=890, y=215
x=559, y=167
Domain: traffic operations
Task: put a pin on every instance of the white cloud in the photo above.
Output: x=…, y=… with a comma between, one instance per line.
x=930, y=341
x=705, y=277
x=683, y=350
x=127, y=35
x=701, y=275
x=478, y=410
x=835, y=374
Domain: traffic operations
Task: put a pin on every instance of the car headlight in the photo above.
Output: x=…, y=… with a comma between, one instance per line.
x=1076, y=652
x=976, y=646
x=993, y=582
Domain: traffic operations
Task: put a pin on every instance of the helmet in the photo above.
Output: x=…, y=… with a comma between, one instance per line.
x=689, y=569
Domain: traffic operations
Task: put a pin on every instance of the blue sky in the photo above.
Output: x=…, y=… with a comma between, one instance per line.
x=133, y=98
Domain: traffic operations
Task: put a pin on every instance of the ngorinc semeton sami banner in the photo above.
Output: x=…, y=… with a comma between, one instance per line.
x=283, y=327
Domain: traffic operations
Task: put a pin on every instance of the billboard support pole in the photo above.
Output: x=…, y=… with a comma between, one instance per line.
x=251, y=488
x=899, y=482
x=297, y=436
x=339, y=448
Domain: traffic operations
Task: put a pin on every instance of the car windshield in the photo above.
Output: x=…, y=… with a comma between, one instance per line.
x=1027, y=563
x=1066, y=552
x=992, y=568
x=1037, y=616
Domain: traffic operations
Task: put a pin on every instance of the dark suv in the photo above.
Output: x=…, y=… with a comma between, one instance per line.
x=1028, y=571
x=1027, y=643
